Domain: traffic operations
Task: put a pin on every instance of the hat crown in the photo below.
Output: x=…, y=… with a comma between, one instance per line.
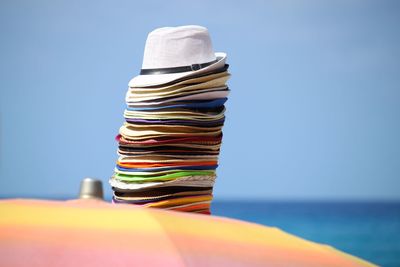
x=170, y=47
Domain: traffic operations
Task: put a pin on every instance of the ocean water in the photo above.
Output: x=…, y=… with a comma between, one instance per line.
x=370, y=230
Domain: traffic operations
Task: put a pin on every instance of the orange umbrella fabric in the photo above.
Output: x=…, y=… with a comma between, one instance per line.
x=95, y=233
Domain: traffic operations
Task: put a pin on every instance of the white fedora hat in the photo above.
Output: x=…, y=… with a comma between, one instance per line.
x=174, y=53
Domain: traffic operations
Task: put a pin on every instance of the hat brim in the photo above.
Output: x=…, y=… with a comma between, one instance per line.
x=159, y=79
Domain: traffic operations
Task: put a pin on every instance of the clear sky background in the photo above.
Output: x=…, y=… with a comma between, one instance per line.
x=314, y=111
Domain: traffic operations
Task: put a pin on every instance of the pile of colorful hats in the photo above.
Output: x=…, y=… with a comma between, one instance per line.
x=170, y=142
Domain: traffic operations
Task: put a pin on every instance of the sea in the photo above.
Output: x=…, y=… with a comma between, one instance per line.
x=369, y=230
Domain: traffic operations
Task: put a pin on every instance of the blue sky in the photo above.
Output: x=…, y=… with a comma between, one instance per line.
x=314, y=111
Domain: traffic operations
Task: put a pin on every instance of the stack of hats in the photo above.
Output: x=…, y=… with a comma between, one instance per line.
x=170, y=142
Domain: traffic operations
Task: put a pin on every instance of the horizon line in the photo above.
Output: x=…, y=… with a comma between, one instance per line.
x=227, y=199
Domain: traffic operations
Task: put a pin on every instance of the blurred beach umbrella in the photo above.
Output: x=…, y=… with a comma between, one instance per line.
x=95, y=233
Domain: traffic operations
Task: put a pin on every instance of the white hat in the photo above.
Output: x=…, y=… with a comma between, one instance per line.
x=173, y=53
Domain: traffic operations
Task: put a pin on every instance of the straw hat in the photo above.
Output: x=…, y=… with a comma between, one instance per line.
x=173, y=53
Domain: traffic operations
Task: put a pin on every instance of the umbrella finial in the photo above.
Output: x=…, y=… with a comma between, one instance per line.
x=91, y=188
